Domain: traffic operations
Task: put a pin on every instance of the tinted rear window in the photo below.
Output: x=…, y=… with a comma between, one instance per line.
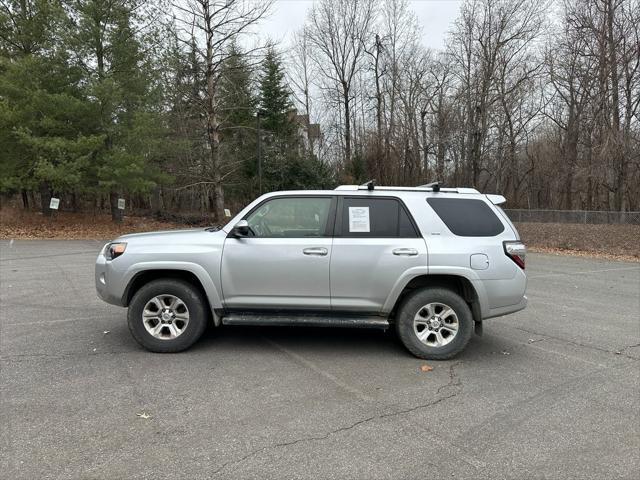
x=466, y=217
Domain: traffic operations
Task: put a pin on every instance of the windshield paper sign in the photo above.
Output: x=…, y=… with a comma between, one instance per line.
x=359, y=219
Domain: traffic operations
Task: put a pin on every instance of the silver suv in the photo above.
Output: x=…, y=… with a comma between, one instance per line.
x=429, y=260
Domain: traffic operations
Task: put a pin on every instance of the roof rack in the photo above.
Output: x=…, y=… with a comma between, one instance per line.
x=421, y=188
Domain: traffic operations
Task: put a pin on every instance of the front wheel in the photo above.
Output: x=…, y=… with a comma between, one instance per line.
x=167, y=315
x=434, y=323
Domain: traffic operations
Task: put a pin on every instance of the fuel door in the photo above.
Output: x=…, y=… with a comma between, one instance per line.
x=479, y=261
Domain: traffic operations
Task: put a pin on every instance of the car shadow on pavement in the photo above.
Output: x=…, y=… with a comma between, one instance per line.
x=329, y=340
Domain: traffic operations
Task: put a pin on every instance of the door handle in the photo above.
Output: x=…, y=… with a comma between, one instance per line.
x=319, y=251
x=405, y=252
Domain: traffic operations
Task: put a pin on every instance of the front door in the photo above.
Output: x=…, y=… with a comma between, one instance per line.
x=375, y=242
x=284, y=263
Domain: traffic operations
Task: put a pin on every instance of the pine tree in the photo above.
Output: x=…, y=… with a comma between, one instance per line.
x=121, y=80
x=46, y=121
x=287, y=164
x=238, y=105
x=275, y=98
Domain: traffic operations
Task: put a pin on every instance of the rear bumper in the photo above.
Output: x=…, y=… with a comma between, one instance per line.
x=498, y=312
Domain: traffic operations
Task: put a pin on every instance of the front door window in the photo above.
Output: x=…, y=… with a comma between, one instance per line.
x=292, y=217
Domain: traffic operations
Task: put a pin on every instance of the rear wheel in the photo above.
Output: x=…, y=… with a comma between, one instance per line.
x=167, y=315
x=434, y=323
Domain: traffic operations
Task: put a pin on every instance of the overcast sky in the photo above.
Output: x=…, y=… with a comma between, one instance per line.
x=435, y=17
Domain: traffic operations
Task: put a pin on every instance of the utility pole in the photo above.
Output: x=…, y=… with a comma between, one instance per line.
x=258, y=151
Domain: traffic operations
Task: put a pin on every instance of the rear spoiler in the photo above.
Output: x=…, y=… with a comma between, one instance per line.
x=496, y=199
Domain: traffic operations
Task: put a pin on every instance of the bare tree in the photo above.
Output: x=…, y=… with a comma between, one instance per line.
x=210, y=27
x=488, y=35
x=336, y=29
x=301, y=72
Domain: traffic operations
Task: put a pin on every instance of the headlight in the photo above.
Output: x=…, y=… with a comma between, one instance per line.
x=114, y=250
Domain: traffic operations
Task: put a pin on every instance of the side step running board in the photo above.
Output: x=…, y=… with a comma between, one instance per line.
x=307, y=320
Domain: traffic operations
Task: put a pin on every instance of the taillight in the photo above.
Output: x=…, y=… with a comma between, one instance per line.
x=516, y=251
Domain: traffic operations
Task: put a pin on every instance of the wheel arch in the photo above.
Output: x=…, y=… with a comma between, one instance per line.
x=199, y=279
x=459, y=284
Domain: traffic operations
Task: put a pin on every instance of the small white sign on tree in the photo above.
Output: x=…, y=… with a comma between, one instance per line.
x=121, y=203
x=227, y=212
x=54, y=203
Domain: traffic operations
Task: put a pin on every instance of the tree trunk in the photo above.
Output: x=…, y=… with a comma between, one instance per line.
x=379, y=165
x=212, y=118
x=347, y=127
x=116, y=214
x=619, y=154
x=45, y=199
x=25, y=199
x=156, y=202
x=425, y=148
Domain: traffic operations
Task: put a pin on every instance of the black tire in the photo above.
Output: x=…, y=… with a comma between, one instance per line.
x=194, y=302
x=414, y=303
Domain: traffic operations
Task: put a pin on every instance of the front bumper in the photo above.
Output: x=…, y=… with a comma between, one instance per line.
x=105, y=284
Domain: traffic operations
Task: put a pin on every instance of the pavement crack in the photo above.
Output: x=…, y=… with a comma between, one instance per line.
x=454, y=379
x=623, y=349
x=454, y=382
x=293, y=442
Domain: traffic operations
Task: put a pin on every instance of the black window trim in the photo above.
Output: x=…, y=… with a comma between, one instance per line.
x=329, y=227
x=337, y=233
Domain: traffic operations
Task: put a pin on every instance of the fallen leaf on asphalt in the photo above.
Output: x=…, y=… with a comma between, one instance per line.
x=426, y=368
x=143, y=415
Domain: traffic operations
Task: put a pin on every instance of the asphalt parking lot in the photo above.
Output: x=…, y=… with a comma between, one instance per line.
x=551, y=392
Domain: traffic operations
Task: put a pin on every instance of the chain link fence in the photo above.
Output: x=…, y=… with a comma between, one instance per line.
x=573, y=216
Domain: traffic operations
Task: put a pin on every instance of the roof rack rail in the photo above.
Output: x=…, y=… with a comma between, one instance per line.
x=421, y=188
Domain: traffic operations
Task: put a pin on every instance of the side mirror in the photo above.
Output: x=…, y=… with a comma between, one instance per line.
x=241, y=229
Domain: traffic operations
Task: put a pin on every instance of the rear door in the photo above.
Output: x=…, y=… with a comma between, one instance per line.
x=375, y=241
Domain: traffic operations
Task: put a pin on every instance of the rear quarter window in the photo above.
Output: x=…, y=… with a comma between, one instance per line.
x=467, y=217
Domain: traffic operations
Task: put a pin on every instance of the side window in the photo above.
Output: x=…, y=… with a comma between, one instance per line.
x=291, y=217
x=467, y=217
x=375, y=217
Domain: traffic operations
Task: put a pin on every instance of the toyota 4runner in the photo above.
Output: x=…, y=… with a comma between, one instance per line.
x=430, y=261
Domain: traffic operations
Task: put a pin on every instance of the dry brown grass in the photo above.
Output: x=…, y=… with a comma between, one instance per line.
x=20, y=224
x=607, y=241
